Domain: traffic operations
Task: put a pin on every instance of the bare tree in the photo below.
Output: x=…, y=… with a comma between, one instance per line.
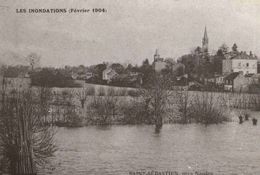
x=82, y=96
x=207, y=111
x=33, y=60
x=156, y=97
x=25, y=142
x=104, y=108
x=183, y=105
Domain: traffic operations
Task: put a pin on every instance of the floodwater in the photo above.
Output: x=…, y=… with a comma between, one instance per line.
x=229, y=148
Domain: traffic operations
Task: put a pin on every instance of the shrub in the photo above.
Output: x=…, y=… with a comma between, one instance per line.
x=133, y=93
x=103, y=109
x=90, y=91
x=204, y=110
x=111, y=91
x=135, y=112
x=121, y=92
x=101, y=91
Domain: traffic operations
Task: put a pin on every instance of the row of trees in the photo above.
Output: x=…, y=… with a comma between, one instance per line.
x=199, y=64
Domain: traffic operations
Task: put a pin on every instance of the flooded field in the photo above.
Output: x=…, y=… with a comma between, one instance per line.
x=229, y=148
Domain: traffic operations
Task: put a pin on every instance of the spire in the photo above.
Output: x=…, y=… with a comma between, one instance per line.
x=205, y=40
x=205, y=34
x=156, y=55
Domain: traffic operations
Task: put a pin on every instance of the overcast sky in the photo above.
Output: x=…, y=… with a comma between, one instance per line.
x=130, y=31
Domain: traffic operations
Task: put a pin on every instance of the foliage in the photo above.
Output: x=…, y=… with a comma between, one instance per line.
x=51, y=78
x=133, y=93
x=118, y=68
x=135, y=112
x=14, y=71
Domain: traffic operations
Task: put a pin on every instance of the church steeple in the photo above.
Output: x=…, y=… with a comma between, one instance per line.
x=156, y=55
x=205, y=40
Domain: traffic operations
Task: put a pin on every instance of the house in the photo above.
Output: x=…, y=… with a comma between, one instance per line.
x=239, y=62
x=229, y=81
x=243, y=82
x=219, y=80
x=238, y=82
x=89, y=75
x=74, y=75
x=108, y=74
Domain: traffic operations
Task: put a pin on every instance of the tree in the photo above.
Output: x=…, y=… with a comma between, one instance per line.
x=234, y=47
x=118, y=68
x=183, y=102
x=25, y=142
x=223, y=48
x=104, y=109
x=34, y=60
x=147, y=71
x=98, y=70
x=48, y=77
x=157, y=97
x=145, y=63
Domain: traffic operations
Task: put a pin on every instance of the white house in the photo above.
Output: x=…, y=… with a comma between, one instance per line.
x=241, y=62
x=108, y=74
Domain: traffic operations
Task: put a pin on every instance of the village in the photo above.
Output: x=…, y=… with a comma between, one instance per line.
x=224, y=71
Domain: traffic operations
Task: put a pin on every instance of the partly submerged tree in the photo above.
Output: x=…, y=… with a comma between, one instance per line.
x=157, y=96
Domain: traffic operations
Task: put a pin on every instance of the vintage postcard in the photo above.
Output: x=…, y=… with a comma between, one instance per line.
x=129, y=87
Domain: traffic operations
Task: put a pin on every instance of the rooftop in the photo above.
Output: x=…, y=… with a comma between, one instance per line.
x=232, y=76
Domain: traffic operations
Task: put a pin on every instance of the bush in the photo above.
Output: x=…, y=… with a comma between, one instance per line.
x=204, y=110
x=101, y=91
x=111, y=91
x=103, y=109
x=121, y=92
x=52, y=78
x=133, y=93
x=90, y=91
x=135, y=112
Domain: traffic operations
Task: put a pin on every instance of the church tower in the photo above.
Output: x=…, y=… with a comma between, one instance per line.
x=205, y=41
x=156, y=56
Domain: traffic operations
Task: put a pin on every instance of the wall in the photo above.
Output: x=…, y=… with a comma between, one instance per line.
x=241, y=65
x=226, y=66
x=241, y=83
x=159, y=65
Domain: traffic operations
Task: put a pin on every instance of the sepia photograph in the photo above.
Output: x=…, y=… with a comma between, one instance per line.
x=129, y=87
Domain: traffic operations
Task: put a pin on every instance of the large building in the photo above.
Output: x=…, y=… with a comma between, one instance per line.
x=240, y=62
x=159, y=63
